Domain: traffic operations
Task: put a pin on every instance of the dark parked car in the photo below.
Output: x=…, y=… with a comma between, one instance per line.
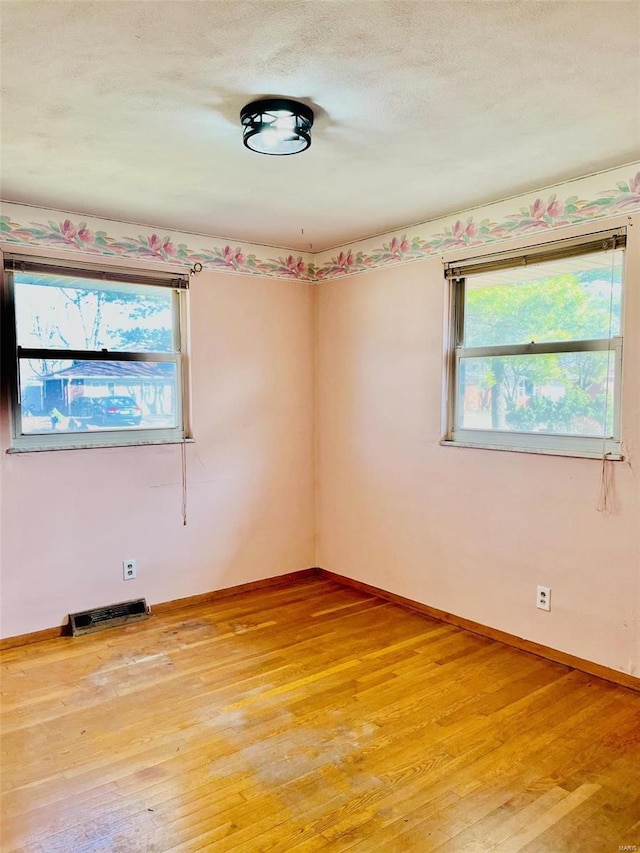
x=116, y=411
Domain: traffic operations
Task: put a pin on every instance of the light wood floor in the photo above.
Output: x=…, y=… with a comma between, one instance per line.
x=310, y=717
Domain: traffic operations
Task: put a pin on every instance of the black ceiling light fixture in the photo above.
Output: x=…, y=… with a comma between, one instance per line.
x=276, y=126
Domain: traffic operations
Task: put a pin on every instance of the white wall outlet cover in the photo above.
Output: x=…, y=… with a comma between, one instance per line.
x=543, y=598
x=128, y=569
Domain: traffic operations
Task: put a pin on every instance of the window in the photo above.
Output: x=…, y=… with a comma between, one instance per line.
x=537, y=349
x=95, y=355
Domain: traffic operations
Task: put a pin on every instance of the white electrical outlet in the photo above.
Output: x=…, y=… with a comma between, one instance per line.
x=543, y=598
x=128, y=569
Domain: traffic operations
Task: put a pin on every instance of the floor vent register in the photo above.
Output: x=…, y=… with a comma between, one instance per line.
x=88, y=621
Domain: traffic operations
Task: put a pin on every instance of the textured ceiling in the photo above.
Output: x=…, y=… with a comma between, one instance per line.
x=130, y=110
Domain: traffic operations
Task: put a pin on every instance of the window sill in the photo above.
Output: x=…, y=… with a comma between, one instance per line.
x=540, y=451
x=47, y=448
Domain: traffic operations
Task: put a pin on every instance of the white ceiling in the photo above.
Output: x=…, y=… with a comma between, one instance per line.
x=130, y=110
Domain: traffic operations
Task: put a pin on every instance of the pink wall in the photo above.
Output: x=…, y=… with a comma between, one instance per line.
x=70, y=517
x=352, y=478
x=469, y=531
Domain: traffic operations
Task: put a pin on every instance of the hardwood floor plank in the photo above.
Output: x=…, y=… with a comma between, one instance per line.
x=309, y=717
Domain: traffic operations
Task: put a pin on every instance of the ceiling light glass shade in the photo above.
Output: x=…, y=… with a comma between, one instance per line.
x=276, y=126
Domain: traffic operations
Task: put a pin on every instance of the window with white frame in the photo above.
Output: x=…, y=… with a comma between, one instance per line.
x=536, y=359
x=94, y=354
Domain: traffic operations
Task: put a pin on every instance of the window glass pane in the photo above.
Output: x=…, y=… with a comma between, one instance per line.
x=557, y=393
x=60, y=312
x=89, y=396
x=571, y=299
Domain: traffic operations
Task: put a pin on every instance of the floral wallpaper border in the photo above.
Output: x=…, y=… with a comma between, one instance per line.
x=489, y=224
x=90, y=236
x=536, y=214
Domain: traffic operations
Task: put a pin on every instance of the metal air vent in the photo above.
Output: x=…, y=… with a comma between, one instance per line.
x=100, y=618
